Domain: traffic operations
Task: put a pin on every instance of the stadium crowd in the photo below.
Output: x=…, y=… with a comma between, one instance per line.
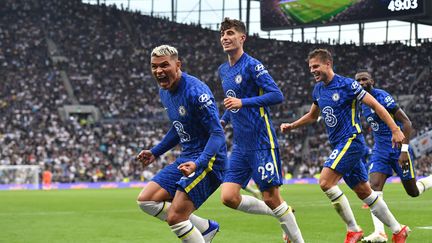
x=106, y=57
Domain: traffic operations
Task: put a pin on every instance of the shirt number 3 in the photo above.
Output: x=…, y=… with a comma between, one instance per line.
x=329, y=118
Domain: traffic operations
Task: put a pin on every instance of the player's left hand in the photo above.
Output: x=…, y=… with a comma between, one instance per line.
x=187, y=168
x=404, y=160
x=397, y=138
x=232, y=103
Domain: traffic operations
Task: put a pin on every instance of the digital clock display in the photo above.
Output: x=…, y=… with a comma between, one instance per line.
x=402, y=5
x=280, y=14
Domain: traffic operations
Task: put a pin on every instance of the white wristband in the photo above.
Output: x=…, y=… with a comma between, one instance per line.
x=404, y=148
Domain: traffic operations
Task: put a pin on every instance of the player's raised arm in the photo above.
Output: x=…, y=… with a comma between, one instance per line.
x=308, y=118
x=397, y=135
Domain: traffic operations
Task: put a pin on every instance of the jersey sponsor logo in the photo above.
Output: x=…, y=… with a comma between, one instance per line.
x=335, y=97
x=238, y=79
x=388, y=100
x=259, y=67
x=355, y=85
x=182, y=110
x=231, y=93
x=261, y=73
x=373, y=123
x=184, y=136
x=329, y=118
x=204, y=98
x=261, y=70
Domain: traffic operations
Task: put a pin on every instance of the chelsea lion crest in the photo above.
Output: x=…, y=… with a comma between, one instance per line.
x=238, y=79
x=182, y=110
x=335, y=97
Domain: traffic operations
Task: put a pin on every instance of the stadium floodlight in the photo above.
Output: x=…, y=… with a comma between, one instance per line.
x=14, y=177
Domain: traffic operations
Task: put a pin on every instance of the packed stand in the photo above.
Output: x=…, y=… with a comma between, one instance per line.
x=107, y=52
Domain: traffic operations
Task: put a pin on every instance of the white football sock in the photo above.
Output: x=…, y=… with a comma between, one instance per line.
x=252, y=205
x=379, y=226
x=160, y=210
x=187, y=232
x=379, y=208
x=155, y=209
x=201, y=224
x=343, y=208
x=288, y=222
x=424, y=184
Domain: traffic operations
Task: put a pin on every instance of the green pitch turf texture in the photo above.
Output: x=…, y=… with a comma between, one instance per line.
x=309, y=11
x=111, y=215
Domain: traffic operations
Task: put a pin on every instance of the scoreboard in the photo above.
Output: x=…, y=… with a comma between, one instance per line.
x=282, y=14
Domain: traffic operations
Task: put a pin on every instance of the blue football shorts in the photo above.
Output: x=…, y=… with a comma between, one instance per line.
x=263, y=166
x=385, y=161
x=346, y=158
x=198, y=186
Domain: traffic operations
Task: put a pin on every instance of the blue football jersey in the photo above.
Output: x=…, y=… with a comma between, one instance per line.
x=381, y=132
x=192, y=110
x=248, y=80
x=339, y=103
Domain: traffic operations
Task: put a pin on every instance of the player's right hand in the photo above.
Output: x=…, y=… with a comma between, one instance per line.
x=286, y=127
x=145, y=157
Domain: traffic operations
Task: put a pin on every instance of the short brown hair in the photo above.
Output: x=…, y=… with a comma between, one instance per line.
x=228, y=23
x=322, y=54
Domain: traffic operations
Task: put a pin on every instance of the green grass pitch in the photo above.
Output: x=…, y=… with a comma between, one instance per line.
x=111, y=215
x=308, y=11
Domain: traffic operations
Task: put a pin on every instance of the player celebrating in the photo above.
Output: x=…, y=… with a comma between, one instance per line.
x=337, y=97
x=199, y=169
x=250, y=90
x=385, y=159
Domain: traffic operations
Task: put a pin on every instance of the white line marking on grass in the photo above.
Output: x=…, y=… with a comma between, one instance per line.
x=64, y=212
x=425, y=227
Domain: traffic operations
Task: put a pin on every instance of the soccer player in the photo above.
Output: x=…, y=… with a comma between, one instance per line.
x=250, y=90
x=182, y=187
x=385, y=159
x=338, y=98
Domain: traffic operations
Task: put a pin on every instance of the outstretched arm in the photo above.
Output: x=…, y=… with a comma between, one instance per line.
x=397, y=136
x=308, y=118
x=170, y=140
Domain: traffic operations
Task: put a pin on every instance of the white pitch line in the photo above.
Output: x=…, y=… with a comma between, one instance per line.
x=425, y=227
x=63, y=212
